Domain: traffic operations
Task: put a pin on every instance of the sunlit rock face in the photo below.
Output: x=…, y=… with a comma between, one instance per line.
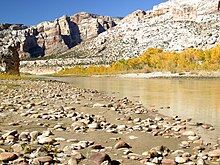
x=52, y=38
x=87, y=39
x=201, y=6
x=174, y=25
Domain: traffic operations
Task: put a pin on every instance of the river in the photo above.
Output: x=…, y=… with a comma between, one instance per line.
x=198, y=99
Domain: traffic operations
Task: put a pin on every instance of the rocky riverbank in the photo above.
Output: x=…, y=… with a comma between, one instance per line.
x=44, y=122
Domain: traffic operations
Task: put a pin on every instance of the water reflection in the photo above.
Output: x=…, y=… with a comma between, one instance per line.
x=197, y=99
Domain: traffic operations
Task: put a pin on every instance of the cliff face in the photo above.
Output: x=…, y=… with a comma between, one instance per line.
x=173, y=26
x=54, y=37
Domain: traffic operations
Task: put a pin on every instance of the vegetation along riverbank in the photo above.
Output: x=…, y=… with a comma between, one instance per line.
x=154, y=60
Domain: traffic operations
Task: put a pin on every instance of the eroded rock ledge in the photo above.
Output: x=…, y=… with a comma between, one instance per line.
x=55, y=36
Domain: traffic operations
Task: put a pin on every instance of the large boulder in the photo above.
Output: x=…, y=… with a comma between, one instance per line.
x=9, y=60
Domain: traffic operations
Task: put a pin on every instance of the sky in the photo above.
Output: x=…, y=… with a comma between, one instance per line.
x=32, y=12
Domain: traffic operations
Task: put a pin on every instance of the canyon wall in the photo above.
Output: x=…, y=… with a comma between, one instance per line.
x=48, y=38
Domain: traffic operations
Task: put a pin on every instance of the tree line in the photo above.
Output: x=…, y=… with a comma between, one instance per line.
x=155, y=59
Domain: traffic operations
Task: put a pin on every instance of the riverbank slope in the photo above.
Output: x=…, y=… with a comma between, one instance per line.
x=44, y=121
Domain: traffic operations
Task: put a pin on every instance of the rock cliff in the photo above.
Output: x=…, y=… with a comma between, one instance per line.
x=57, y=36
x=85, y=38
x=173, y=26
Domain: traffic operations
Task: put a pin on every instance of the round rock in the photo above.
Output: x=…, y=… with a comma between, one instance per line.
x=180, y=160
x=121, y=144
x=168, y=162
x=214, y=153
x=43, y=159
x=44, y=140
x=34, y=135
x=7, y=156
x=94, y=126
x=100, y=158
x=189, y=133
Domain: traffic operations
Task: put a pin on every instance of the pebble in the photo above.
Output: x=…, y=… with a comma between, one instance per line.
x=20, y=161
x=189, y=133
x=60, y=139
x=17, y=148
x=168, y=162
x=193, y=138
x=12, y=133
x=121, y=144
x=136, y=120
x=99, y=158
x=72, y=161
x=180, y=160
x=43, y=159
x=51, y=116
x=44, y=140
x=34, y=135
x=201, y=162
x=133, y=137
x=121, y=127
x=72, y=140
x=77, y=155
x=184, y=144
x=24, y=136
x=47, y=133
x=214, y=153
x=94, y=126
x=99, y=105
x=7, y=156
x=96, y=146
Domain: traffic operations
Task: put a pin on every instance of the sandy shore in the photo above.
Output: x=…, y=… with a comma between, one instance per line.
x=165, y=74
x=199, y=74
x=40, y=70
x=55, y=122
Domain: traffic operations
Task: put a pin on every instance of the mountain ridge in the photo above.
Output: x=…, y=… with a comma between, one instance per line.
x=160, y=27
x=55, y=36
x=173, y=26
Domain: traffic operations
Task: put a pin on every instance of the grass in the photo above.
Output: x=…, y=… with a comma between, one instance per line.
x=9, y=77
x=15, y=77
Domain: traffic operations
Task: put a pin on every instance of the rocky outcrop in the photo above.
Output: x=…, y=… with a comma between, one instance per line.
x=57, y=36
x=90, y=25
x=173, y=26
x=202, y=7
x=12, y=27
x=9, y=60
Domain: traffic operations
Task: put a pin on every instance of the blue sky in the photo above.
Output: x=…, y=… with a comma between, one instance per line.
x=31, y=12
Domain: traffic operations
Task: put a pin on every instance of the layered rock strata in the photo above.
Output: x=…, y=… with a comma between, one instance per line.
x=56, y=36
x=173, y=26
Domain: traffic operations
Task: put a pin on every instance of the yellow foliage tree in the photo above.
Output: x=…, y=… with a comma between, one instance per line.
x=157, y=59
